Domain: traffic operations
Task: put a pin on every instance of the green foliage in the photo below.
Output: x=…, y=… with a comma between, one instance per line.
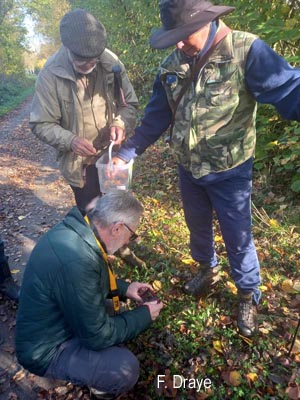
x=47, y=15
x=129, y=24
x=12, y=38
x=13, y=90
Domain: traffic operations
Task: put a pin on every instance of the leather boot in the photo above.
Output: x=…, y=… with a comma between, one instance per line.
x=247, y=316
x=206, y=277
x=130, y=258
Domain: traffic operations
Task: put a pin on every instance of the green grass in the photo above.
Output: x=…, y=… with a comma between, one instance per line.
x=13, y=92
x=197, y=338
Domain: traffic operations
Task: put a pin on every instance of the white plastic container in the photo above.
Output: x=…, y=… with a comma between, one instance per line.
x=113, y=176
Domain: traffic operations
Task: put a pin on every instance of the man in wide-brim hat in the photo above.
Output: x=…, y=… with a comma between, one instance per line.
x=207, y=91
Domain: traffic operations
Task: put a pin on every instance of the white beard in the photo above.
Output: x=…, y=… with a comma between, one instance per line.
x=85, y=72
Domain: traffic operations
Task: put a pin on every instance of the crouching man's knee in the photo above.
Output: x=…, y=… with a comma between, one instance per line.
x=121, y=373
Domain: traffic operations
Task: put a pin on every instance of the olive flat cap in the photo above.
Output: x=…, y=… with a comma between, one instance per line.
x=83, y=34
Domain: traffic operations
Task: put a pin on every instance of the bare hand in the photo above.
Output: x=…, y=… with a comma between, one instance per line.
x=82, y=147
x=117, y=134
x=135, y=288
x=154, y=308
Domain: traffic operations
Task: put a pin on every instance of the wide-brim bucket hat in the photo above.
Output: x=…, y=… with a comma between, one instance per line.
x=182, y=18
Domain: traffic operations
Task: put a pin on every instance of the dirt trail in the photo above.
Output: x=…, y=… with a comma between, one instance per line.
x=33, y=197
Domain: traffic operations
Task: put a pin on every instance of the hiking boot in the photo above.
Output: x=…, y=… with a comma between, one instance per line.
x=206, y=277
x=130, y=258
x=10, y=289
x=96, y=394
x=247, y=316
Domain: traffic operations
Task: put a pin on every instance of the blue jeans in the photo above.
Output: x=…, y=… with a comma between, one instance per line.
x=231, y=200
x=114, y=370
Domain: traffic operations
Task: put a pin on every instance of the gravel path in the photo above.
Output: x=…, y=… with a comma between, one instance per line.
x=33, y=197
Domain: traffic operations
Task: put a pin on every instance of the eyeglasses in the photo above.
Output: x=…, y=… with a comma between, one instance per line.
x=133, y=235
x=80, y=62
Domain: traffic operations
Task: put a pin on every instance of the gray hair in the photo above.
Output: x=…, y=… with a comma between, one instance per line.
x=116, y=206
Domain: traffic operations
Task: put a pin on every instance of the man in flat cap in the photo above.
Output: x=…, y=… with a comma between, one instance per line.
x=83, y=100
x=207, y=91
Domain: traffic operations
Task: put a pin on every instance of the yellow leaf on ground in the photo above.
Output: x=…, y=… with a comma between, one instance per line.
x=218, y=238
x=252, y=376
x=296, y=347
x=288, y=286
x=14, y=271
x=157, y=285
x=187, y=261
x=246, y=339
x=231, y=287
x=263, y=288
x=218, y=346
x=296, y=286
x=235, y=378
x=274, y=223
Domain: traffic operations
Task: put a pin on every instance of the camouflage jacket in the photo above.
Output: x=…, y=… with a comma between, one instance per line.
x=214, y=126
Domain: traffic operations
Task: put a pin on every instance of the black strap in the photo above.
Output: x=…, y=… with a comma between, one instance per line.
x=118, y=89
x=221, y=34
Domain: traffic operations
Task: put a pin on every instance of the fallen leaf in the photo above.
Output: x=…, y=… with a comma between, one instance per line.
x=231, y=287
x=187, y=261
x=217, y=344
x=235, y=378
x=157, y=285
x=296, y=286
x=252, y=376
x=19, y=375
x=287, y=286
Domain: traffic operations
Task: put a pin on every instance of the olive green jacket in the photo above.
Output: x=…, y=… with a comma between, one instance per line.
x=63, y=295
x=56, y=114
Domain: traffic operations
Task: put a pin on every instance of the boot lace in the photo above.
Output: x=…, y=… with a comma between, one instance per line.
x=247, y=313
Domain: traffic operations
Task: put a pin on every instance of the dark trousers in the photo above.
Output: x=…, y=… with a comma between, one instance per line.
x=91, y=189
x=113, y=370
x=4, y=268
x=231, y=200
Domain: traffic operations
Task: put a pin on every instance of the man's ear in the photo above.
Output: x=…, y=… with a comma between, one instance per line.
x=116, y=229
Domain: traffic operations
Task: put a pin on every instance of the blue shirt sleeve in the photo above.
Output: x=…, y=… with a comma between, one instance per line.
x=272, y=80
x=156, y=120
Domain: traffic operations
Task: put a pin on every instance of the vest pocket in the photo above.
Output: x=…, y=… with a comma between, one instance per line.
x=221, y=87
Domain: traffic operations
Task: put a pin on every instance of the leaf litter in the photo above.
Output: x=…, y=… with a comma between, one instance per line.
x=192, y=338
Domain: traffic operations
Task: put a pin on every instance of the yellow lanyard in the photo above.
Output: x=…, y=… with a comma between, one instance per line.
x=112, y=279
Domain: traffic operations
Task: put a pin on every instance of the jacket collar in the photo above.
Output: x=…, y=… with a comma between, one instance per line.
x=60, y=64
x=75, y=221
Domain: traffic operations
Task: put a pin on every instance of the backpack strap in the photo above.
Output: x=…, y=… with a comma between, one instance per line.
x=118, y=89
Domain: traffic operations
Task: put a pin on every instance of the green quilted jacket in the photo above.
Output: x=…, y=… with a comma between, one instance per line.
x=63, y=294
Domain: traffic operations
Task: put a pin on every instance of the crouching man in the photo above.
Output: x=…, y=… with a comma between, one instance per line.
x=63, y=329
